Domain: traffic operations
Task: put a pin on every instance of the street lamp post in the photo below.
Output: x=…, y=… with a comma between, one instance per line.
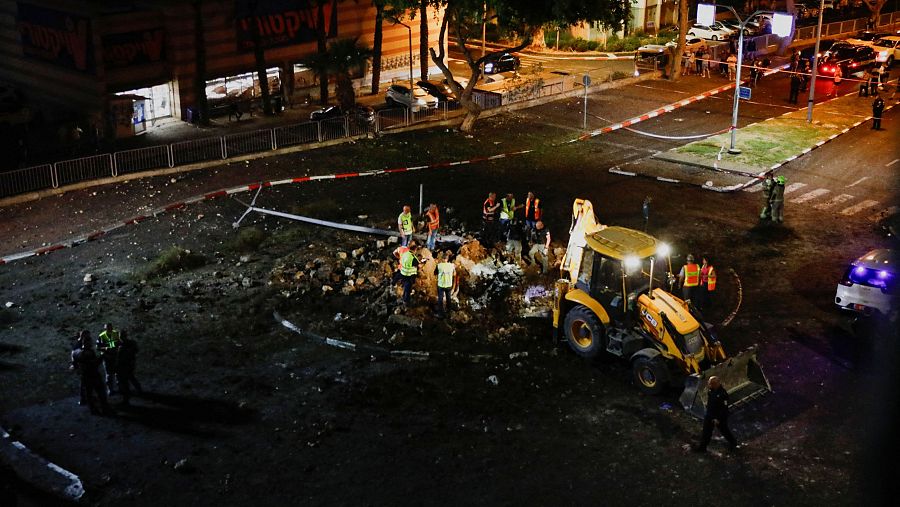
x=815, y=66
x=411, y=94
x=708, y=12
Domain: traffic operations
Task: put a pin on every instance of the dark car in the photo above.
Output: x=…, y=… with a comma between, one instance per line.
x=501, y=62
x=437, y=90
x=362, y=114
x=824, y=46
x=850, y=58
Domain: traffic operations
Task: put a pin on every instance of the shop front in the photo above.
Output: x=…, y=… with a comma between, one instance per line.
x=240, y=92
x=131, y=110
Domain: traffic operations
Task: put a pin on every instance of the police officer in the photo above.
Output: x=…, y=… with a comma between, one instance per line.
x=489, y=220
x=877, y=110
x=87, y=364
x=716, y=416
x=767, y=185
x=777, y=200
x=107, y=345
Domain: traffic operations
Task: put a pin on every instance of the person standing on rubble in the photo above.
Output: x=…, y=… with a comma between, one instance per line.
x=515, y=233
x=689, y=279
x=128, y=350
x=540, y=244
x=507, y=212
x=434, y=223
x=87, y=364
x=533, y=212
x=408, y=270
x=489, y=220
x=447, y=282
x=405, y=225
x=107, y=345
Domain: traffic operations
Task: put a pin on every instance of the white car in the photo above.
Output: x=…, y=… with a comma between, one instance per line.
x=887, y=50
x=870, y=284
x=709, y=32
x=418, y=100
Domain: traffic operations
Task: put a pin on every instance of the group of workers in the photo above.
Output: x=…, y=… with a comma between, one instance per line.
x=698, y=281
x=514, y=230
x=114, y=359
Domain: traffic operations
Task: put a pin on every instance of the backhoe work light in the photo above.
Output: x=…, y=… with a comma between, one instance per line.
x=663, y=250
x=632, y=263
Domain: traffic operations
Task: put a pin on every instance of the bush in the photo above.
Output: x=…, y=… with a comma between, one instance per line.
x=619, y=75
x=173, y=260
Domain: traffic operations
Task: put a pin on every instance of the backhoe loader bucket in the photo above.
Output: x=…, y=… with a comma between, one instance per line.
x=741, y=375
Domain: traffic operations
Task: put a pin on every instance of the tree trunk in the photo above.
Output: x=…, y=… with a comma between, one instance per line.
x=537, y=42
x=259, y=55
x=679, y=48
x=468, y=123
x=344, y=91
x=321, y=44
x=423, y=39
x=376, y=48
x=201, y=106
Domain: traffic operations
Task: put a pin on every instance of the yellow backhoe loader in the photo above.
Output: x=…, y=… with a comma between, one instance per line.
x=608, y=300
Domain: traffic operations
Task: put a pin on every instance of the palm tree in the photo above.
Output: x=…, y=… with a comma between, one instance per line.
x=342, y=59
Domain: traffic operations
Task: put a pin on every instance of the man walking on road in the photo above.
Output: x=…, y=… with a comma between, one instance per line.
x=796, y=81
x=716, y=416
x=877, y=110
x=732, y=66
x=838, y=75
x=405, y=225
x=777, y=200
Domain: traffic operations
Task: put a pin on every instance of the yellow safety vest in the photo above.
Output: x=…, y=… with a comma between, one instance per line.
x=406, y=264
x=110, y=340
x=405, y=221
x=445, y=274
x=507, y=208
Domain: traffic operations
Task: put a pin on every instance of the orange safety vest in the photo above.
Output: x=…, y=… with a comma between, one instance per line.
x=434, y=219
x=486, y=214
x=691, y=275
x=399, y=252
x=537, y=209
x=711, y=279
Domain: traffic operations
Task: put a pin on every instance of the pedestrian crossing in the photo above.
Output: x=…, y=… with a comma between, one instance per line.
x=824, y=199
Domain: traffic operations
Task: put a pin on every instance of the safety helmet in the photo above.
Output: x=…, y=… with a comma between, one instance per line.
x=690, y=258
x=780, y=180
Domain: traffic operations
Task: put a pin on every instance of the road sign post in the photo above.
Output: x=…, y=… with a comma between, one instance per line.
x=586, y=81
x=744, y=92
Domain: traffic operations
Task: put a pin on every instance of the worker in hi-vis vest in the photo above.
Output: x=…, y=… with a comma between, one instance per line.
x=447, y=282
x=689, y=278
x=405, y=225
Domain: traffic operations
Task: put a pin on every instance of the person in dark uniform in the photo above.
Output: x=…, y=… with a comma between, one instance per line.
x=87, y=364
x=128, y=350
x=877, y=110
x=716, y=415
x=796, y=81
x=78, y=344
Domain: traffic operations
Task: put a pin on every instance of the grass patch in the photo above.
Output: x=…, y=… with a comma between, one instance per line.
x=173, y=260
x=248, y=239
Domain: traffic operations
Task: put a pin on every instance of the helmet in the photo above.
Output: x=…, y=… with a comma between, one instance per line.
x=690, y=258
x=780, y=180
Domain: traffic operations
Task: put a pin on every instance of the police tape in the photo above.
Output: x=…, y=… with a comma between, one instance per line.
x=660, y=136
x=378, y=351
x=740, y=298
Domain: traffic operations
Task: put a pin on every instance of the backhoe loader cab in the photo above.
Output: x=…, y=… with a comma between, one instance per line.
x=612, y=298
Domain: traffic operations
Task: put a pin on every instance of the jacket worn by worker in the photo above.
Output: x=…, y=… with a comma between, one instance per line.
x=127, y=355
x=778, y=192
x=408, y=263
x=487, y=212
x=539, y=236
x=533, y=209
x=515, y=233
x=717, y=403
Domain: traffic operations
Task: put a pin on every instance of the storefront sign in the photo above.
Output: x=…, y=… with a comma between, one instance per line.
x=56, y=37
x=281, y=22
x=133, y=48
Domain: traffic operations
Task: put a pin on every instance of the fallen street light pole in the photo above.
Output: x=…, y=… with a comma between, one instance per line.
x=706, y=15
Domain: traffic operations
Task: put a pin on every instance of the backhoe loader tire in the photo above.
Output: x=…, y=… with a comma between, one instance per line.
x=584, y=332
x=650, y=374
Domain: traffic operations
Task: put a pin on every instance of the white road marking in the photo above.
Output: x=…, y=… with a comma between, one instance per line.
x=793, y=187
x=856, y=208
x=663, y=89
x=892, y=162
x=883, y=213
x=810, y=195
x=838, y=199
x=857, y=182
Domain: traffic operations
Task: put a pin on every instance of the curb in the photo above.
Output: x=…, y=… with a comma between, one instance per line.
x=38, y=472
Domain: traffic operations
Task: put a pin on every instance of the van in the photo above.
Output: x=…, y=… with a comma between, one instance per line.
x=869, y=285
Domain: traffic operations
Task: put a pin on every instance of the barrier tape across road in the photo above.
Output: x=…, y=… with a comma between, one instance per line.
x=304, y=179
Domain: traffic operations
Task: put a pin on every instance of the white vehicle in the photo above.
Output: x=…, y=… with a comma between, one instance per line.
x=709, y=32
x=870, y=284
x=420, y=99
x=887, y=50
x=722, y=27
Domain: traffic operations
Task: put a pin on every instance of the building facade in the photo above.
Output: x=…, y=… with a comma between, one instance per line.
x=126, y=62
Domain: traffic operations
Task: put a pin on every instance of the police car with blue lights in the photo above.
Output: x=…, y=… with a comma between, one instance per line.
x=869, y=285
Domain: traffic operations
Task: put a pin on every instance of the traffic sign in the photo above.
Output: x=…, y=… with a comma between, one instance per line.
x=744, y=92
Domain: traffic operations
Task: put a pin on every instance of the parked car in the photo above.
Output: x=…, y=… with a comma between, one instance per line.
x=867, y=38
x=438, y=90
x=887, y=50
x=870, y=284
x=501, y=62
x=417, y=100
x=710, y=32
x=824, y=46
x=362, y=114
x=734, y=24
x=850, y=58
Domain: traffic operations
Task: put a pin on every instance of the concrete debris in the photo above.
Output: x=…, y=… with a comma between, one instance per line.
x=396, y=338
x=403, y=320
x=493, y=380
x=393, y=240
x=342, y=255
x=246, y=282
x=379, y=244
x=88, y=278
x=358, y=252
x=245, y=259
x=326, y=288
x=514, y=355
x=10, y=304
